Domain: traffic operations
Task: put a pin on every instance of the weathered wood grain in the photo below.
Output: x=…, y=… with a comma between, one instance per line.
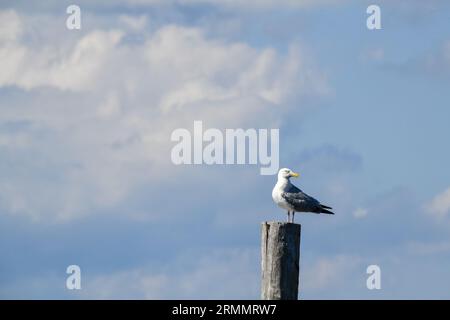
x=280, y=253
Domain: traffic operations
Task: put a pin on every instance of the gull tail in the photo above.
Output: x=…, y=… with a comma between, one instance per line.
x=323, y=209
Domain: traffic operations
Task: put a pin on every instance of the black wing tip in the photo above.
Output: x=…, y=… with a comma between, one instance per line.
x=325, y=211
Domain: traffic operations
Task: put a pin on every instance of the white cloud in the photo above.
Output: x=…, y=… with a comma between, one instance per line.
x=76, y=69
x=216, y=275
x=360, y=213
x=99, y=110
x=10, y=26
x=374, y=54
x=232, y=4
x=265, y=4
x=440, y=205
x=128, y=284
x=136, y=23
x=225, y=273
x=328, y=272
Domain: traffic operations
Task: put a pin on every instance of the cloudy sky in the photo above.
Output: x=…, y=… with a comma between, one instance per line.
x=86, y=118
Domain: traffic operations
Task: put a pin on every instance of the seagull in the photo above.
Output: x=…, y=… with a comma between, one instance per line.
x=291, y=198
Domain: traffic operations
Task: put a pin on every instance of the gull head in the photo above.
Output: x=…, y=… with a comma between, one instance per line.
x=286, y=173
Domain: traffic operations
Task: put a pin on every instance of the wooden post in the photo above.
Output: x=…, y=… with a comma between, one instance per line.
x=280, y=253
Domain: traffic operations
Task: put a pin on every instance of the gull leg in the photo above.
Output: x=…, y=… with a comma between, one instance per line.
x=288, y=216
x=293, y=216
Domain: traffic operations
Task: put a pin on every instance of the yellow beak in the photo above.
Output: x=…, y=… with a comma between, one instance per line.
x=295, y=174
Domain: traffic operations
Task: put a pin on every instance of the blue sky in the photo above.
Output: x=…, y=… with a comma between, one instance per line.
x=85, y=123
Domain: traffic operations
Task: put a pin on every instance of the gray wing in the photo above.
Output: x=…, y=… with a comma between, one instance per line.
x=303, y=202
